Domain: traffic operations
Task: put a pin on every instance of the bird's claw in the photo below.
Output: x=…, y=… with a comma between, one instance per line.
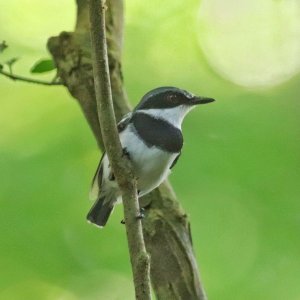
x=140, y=216
x=111, y=176
x=126, y=153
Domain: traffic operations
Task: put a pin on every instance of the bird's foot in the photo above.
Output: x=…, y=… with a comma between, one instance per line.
x=141, y=215
x=111, y=176
x=126, y=153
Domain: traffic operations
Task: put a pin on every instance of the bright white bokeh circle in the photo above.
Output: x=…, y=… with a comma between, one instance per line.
x=253, y=43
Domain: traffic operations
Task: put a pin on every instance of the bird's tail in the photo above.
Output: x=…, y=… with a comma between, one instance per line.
x=101, y=210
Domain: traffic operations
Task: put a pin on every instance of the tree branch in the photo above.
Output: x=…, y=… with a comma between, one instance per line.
x=30, y=80
x=121, y=166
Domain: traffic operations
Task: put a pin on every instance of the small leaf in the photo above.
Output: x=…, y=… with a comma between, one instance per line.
x=11, y=61
x=3, y=46
x=43, y=65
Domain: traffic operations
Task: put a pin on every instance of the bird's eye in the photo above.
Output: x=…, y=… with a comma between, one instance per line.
x=172, y=98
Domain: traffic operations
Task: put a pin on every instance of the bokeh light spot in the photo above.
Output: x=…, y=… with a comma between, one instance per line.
x=252, y=43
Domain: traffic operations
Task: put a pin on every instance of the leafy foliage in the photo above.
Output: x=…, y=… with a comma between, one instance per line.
x=42, y=66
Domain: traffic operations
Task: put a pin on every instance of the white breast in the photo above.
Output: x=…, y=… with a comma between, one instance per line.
x=173, y=115
x=151, y=165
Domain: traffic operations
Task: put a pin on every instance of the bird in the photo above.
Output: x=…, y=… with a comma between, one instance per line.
x=152, y=139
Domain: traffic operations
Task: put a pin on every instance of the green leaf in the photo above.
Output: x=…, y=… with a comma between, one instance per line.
x=3, y=46
x=43, y=65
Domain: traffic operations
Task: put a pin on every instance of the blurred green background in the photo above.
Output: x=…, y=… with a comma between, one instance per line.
x=238, y=177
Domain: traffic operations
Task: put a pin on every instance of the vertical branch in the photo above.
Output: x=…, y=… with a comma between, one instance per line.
x=121, y=166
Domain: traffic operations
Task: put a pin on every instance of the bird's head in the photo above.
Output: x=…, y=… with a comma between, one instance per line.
x=170, y=103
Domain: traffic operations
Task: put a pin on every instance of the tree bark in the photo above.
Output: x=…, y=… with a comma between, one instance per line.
x=174, y=272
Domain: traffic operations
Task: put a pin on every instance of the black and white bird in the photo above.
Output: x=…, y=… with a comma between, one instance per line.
x=151, y=136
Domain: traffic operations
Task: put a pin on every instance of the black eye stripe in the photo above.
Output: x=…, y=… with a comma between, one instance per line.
x=172, y=97
x=164, y=97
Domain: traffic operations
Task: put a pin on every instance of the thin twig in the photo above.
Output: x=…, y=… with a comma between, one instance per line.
x=30, y=80
x=120, y=165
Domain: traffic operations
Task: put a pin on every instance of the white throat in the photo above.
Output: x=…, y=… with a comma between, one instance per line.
x=173, y=115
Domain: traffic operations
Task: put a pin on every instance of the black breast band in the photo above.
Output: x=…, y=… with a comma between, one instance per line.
x=157, y=132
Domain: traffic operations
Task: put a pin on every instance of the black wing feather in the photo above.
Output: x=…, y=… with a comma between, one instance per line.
x=99, y=172
x=175, y=160
x=124, y=122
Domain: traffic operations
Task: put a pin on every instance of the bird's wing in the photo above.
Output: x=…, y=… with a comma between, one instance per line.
x=97, y=179
x=124, y=122
x=175, y=160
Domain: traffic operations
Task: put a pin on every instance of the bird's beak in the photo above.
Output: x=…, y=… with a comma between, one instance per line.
x=201, y=100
